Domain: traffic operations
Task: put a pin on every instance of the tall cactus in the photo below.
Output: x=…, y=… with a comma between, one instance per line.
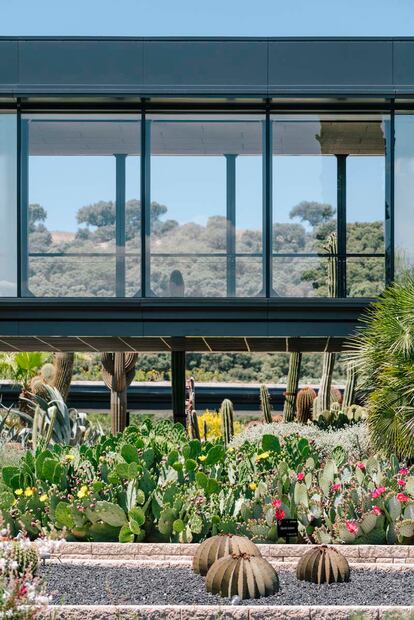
x=227, y=420
x=292, y=385
x=304, y=404
x=324, y=396
x=118, y=372
x=193, y=428
x=350, y=386
x=63, y=363
x=265, y=404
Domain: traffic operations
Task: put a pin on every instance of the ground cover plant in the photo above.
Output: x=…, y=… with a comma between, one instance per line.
x=152, y=483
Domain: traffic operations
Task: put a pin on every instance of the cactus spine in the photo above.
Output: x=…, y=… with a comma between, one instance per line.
x=227, y=420
x=265, y=404
x=304, y=404
x=193, y=428
x=350, y=386
x=118, y=372
x=295, y=361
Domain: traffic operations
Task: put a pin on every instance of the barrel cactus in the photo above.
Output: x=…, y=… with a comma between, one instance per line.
x=243, y=575
x=220, y=546
x=26, y=556
x=323, y=564
x=304, y=404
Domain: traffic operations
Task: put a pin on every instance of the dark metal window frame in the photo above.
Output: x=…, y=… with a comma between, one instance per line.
x=267, y=108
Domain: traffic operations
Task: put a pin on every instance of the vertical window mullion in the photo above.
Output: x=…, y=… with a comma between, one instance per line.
x=341, y=225
x=145, y=206
x=267, y=207
x=389, y=198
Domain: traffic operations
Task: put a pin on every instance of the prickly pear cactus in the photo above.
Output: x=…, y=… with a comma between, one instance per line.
x=220, y=546
x=323, y=565
x=243, y=575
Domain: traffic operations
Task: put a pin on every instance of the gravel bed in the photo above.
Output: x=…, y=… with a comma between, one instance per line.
x=75, y=584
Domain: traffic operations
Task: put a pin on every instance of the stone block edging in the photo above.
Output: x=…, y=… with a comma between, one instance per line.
x=222, y=612
x=356, y=554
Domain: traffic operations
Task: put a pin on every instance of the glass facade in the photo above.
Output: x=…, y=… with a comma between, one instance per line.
x=8, y=204
x=204, y=205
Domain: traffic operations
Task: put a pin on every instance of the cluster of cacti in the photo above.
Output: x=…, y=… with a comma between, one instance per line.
x=26, y=556
x=350, y=386
x=193, y=428
x=265, y=404
x=295, y=360
x=339, y=416
x=242, y=575
x=304, y=404
x=57, y=375
x=118, y=372
x=220, y=546
x=227, y=420
x=323, y=565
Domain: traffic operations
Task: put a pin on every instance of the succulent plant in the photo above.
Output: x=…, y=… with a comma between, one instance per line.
x=220, y=546
x=323, y=564
x=265, y=404
x=304, y=404
x=227, y=420
x=295, y=360
x=26, y=556
x=193, y=428
x=350, y=386
x=247, y=576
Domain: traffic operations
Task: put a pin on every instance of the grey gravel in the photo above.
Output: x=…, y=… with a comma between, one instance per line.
x=75, y=584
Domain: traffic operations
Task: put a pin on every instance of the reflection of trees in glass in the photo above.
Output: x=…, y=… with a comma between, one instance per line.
x=205, y=273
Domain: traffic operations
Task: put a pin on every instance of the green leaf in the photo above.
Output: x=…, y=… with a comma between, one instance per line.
x=109, y=513
x=11, y=477
x=138, y=515
x=301, y=494
x=178, y=526
x=201, y=480
x=122, y=470
x=63, y=515
x=172, y=457
x=215, y=455
x=130, y=454
x=271, y=443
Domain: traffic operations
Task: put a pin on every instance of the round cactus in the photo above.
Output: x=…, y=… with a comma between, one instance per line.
x=323, y=564
x=219, y=546
x=243, y=575
x=304, y=404
x=26, y=556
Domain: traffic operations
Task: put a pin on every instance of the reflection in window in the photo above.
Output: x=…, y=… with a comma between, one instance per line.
x=404, y=192
x=82, y=234
x=206, y=206
x=324, y=167
x=8, y=205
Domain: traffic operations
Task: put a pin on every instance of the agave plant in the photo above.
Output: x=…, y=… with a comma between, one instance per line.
x=53, y=422
x=383, y=353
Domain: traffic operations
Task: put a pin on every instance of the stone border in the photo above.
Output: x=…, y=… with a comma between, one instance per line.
x=224, y=612
x=175, y=552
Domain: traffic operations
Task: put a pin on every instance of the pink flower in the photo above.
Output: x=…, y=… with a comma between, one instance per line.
x=403, y=471
x=378, y=492
x=280, y=514
x=376, y=510
x=300, y=475
x=352, y=527
x=276, y=503
x=402, y=498
x=401, y=483
x=360, y=465
x=336, y=486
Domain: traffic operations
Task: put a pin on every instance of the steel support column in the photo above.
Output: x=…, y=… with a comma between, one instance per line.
x=178, y=385
x=389, y=126
x=24, y=209
x=231, y=224
x=341, y=224
x=120, y=230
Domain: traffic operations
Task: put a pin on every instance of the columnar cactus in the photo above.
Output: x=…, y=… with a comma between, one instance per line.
x=193, y=429
x=304, y=404
x=265, y=404
x=246, y=576
x=227, y=420
x=118, y=372
x=292, y=385
x=220, y=546
x=350, y=386
x=323, y=401
x=63, y=363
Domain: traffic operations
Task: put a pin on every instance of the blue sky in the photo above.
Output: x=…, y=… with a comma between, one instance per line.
x=62, y=192
x=210, y=17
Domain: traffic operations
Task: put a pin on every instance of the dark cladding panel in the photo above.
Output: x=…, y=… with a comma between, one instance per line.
x=404, y=63
x=205, y=66
x=8, y=63
x=76, y=63
x=330, y=65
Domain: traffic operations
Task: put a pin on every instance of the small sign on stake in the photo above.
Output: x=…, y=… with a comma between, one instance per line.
x=288, y=528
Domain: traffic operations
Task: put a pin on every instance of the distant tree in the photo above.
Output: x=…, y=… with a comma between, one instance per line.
x=313, y=212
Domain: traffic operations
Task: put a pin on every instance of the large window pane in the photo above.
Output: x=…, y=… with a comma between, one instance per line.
x=206, y=206
x=84, y=213
x=8, y=205
x=404, y=192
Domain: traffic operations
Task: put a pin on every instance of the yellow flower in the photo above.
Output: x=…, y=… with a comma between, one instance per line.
x=252, y=486
x=262, y=456
x=43, y=498
x=69, y=457
x=19, y=491
x=210, y=421
x=84, y=492
x=202, y=458
x=28, y=492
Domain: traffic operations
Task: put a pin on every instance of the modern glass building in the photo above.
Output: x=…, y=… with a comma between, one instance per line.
x=201, y=194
